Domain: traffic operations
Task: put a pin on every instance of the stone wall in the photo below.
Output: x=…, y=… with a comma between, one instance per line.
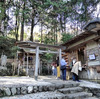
x=93, y=49
x=92, y=69
x=28, y=89
x=8, y=60
x=90, y=73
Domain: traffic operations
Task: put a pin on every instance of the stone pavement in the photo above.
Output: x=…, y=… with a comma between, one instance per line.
x=7, y=81
x=47, y=87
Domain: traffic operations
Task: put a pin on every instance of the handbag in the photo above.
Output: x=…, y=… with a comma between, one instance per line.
x=63, y=67
x=80, y=68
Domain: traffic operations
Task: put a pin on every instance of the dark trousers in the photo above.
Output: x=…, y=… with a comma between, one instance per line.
x=75, y=77
x=64, y=74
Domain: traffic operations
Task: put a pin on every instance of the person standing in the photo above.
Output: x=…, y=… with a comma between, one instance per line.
x=58, y=68
x=75, y=70
x=63, y=68
x=54, y=69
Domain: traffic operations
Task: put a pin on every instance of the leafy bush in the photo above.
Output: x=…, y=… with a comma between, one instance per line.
x=22, y=72
x=44, y=70
x=3, y=72
x=9, y=69
x=8, y=65
x=6, y=72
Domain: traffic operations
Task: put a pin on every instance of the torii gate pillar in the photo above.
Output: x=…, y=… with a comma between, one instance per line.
x=36, y=62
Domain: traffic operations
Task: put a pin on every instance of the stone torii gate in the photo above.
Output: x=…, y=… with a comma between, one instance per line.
x=36, y=48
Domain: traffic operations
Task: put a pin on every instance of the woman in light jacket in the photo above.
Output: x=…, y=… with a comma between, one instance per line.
x=75, y=70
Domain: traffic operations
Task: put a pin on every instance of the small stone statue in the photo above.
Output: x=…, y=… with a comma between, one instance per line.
x=3, y=60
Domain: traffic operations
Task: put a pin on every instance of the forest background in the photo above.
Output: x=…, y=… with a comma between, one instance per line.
x=44, y=21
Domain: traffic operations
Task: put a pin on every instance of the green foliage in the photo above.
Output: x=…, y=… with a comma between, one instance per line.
x=7, y=46
x=6, y=72
x=49, y=57
x=14, y=51
x=66, y=37
x=48, y=40
x=1, y=11
x=53, y=14
x=44, y=70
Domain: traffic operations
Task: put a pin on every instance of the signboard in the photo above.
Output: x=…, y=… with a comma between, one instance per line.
x=92, y=57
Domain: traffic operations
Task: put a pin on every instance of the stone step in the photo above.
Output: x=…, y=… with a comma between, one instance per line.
x=79, y=95
x=70, y=90
x=39, y=95
x=65, y=85
x=91, y=98
x=69, y=85
x=28, y=89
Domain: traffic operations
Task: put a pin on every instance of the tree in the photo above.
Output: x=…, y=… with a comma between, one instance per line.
x=4, y=49
x=82, y=12
x=66, y=37
x=51, y=15
x=17, y=16
x=22, y=21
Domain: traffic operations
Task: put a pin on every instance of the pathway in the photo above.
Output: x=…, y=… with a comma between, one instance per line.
x=47, y=87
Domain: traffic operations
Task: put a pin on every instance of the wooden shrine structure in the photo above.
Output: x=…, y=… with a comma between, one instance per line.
x=37, y=49
x=85, y=47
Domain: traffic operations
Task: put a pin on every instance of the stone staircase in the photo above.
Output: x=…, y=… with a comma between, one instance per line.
x=54, y=90
x=76, y=92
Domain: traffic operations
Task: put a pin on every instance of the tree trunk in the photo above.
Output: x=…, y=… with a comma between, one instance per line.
x=64, y=24
x=22, y=31
x=17, y=32
x=16, y=29
x=41, y=32
x=61, y=25
x=32, y=27
x=56, y=35
x=4, y=18
x=22, y=26
x=0, y=25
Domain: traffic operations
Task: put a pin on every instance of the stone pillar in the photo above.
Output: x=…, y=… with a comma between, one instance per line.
x=60, y=56
x=27, y=65
x=36, y=62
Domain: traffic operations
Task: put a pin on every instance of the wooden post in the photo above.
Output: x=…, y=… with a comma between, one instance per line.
x=40, y=67
x=18, y=67
x=60, y=56
x=27, y=65
x=36, y=62
x=18, y=61
x=48, y=67
x=23, y=61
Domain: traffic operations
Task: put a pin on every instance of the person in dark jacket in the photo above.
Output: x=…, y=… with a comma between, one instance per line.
x=63, y=68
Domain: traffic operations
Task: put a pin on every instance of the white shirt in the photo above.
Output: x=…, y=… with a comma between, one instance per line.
x=63, y=62
x=53, y=67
